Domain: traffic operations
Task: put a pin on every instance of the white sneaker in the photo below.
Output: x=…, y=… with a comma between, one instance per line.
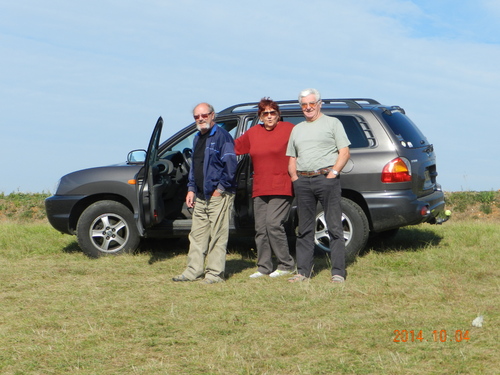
x=279, y=273
x=256, y=274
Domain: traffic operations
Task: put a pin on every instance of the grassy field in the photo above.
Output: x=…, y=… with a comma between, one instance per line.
x=406, y=308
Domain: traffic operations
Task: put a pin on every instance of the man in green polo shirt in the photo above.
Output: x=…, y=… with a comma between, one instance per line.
x=318, y=150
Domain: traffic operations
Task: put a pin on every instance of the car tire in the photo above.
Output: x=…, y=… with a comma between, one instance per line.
x=356, y=230
x=107, y=227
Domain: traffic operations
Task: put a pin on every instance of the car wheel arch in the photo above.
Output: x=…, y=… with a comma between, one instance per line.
x=356, y=230
x=358, y=198
x=86, y=202
x=107, y=227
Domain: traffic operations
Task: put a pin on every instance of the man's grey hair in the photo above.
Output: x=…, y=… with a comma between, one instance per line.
x=308, y=92
x=210, y=107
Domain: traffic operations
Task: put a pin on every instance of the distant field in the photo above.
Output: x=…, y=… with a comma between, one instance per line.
x=464, y=205
x=406, y=307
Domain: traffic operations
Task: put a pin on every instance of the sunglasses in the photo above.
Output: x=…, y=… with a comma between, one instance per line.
x=312, y=104
x=267, y=113
x=203, y=115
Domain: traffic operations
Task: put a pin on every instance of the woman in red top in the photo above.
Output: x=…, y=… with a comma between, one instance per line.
x=272, y=194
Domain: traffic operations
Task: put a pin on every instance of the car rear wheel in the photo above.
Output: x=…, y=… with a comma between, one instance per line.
x=107, y=227
x=356, y=229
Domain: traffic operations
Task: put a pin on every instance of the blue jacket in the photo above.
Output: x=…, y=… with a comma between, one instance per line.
x=219, y=166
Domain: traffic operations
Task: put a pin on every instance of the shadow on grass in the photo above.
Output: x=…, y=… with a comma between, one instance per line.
x=164, y=249
x=407, y=239
x=72, y=248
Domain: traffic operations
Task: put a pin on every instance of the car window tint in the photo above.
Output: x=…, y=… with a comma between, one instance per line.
x=356, y=129
x=293, y=119
x=405, y=130
x=187, y=140
x=230, y=125
x=357, y=134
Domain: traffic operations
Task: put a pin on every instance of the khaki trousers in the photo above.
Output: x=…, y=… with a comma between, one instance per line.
x=208, y=237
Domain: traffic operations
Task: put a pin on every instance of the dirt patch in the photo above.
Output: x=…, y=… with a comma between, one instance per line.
x=476, y=213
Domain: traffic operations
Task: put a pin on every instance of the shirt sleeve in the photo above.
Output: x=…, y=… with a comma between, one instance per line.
x=341, y=138
x=290, y=150
x=242, y=144
x=230, y=164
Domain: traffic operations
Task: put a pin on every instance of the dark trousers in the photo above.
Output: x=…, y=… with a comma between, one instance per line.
x=310, y=190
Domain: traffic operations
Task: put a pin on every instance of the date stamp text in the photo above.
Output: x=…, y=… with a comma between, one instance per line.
x=435, y=336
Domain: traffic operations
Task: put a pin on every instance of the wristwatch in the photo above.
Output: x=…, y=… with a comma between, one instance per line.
x=336, y=173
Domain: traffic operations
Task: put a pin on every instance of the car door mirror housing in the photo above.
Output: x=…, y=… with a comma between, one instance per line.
x=136, y=157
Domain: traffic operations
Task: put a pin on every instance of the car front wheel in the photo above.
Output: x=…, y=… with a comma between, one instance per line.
x=107, y=227
x=356, y=230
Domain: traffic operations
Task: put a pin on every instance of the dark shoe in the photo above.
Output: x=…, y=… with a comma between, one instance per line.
x=180, y=278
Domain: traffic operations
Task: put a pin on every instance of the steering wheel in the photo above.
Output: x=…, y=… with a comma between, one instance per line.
x=187, y=154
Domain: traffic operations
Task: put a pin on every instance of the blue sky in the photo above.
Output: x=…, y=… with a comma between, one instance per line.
x=82, y=83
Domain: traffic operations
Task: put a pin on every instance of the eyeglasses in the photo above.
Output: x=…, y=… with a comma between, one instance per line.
x=203, y=115
x=267, y=113
x=312, y=104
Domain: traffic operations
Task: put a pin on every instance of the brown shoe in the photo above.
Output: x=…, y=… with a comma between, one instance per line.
x=297, y=278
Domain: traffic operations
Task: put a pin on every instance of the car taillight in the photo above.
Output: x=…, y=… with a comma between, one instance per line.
x=397, y=170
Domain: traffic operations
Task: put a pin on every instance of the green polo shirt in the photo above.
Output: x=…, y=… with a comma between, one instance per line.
x=316, y=144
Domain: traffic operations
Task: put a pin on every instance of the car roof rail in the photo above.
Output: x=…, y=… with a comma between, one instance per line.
x=350, y=102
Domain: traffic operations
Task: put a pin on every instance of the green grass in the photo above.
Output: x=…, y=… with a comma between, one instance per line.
x=63, y=313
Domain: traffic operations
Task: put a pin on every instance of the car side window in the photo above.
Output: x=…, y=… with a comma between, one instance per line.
x=357, y=129
x=293, y=119
x=231, y=126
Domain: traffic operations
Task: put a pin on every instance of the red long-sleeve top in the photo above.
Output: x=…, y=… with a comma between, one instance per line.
x=270, y=163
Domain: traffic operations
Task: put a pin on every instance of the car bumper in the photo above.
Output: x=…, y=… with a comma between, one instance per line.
x=389, y=210
x=59, y=209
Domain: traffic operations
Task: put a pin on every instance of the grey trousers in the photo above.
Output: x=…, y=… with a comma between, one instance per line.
x=270, y=214
x=208, y=237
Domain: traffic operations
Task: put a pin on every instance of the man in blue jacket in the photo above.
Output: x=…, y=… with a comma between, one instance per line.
x=211, y=189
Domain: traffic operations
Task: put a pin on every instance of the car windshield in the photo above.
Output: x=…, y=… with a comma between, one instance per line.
x=186, y=142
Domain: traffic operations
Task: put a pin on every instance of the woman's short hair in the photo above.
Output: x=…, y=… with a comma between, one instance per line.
x=268, y=102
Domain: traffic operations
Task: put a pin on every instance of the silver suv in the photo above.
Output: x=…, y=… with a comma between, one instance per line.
x=389, y=182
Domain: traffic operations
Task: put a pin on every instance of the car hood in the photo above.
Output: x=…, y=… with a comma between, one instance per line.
x=106, y=179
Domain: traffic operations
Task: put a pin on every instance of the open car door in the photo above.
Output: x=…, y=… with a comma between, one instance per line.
x=151, y=185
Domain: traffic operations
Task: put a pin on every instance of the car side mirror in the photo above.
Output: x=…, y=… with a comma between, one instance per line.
x=136, y=157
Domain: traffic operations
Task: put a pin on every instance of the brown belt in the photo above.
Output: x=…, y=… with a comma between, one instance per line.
x=315, y=173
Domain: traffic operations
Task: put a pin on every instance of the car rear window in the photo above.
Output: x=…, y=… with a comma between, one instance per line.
x=405, y=130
